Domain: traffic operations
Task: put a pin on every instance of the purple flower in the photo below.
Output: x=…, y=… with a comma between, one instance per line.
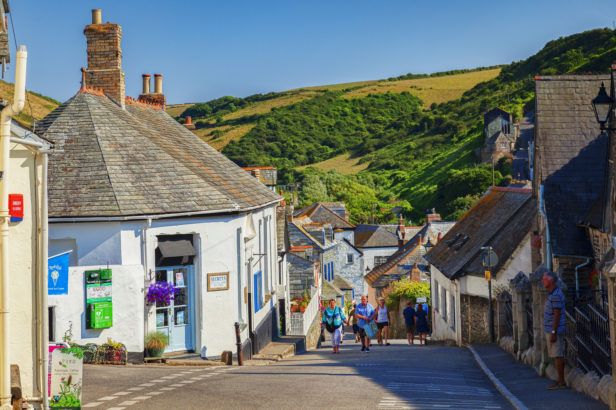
x=161, y=293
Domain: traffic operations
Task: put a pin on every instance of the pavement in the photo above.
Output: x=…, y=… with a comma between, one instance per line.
x=389, y=377
x=527, y=386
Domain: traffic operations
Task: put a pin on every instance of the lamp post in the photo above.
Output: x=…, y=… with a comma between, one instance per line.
x=603, y=106
x=489, y=261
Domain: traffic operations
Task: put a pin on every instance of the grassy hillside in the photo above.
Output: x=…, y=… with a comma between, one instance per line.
x=37, y=106
x=220, y=128
x=384, y=141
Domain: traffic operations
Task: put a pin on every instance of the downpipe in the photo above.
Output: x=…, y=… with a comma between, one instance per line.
x=577, y=276
x=19, y=100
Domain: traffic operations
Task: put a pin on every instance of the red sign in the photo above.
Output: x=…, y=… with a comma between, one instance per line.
x=16, y=207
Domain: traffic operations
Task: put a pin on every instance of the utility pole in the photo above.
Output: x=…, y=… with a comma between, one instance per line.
x=489, y=261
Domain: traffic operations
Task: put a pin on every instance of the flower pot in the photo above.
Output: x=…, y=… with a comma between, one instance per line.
x=294, y=308
x=155, y=352
x=302, y=309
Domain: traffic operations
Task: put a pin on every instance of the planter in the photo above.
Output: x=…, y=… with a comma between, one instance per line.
x=154, y=352
x=302, y=309
x=294, y=308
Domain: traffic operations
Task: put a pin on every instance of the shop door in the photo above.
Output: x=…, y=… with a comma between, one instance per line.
x=176, y=319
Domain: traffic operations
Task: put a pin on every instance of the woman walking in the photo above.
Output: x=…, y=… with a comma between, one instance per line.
x=382, y=322
x=333, y=318
x=421, y=323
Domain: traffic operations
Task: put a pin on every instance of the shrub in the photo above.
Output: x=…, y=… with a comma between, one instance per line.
x=407, y=289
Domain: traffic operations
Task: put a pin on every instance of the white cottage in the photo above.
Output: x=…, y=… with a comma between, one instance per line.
x=133, y=191
x=501, y=219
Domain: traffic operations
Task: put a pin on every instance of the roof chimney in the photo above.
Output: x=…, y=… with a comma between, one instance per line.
x=146, y=83
x=432, y=216
x=401, y=232
x=188, y=122
x=97, y=16
x=104, y=51
x=158, y=83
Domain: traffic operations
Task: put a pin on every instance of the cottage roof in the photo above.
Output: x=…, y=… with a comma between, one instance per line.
x=114, y=162
x=374, y=236
x=501, y=219
x=330, y=291
x=495, y=112
x=342, y=283
x=320, y=213
x=571, y=156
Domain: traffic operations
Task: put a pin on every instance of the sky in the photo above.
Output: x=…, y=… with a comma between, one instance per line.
x=207, y=49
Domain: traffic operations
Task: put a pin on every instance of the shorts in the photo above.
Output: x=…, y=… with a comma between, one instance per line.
x=355, y=328
x=410, y=329
x=381, y=325
x=362, y=332
x=556, y=349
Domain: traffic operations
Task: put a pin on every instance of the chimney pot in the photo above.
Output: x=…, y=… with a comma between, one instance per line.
x=188, y=120
x=158, y=83
x=97, y=16
x=146, y=83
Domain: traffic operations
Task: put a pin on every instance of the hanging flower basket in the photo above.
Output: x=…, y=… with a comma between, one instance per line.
x=161, y=293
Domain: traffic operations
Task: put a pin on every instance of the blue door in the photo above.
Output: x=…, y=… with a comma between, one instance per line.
x=176, y=319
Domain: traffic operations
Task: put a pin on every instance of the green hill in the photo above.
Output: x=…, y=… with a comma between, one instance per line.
x=409, y=151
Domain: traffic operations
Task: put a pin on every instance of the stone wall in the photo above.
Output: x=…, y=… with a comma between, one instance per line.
x=353, y=272
x=474, y=319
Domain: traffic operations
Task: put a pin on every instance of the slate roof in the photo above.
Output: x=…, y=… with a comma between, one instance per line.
x=570, y=157
x=114, y=162
x=341, y=283
x=501, y=218
x=495, y=112
x=320, y=213
x=375, y=236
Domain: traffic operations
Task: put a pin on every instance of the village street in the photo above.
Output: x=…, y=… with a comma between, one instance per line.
x=396, y=376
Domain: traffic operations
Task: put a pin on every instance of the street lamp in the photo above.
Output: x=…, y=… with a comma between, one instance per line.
x=603, y=103
x=489, y=261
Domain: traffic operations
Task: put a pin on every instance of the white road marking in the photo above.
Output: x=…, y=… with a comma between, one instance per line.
x=116, y=408
x=146, y=384
x=187, y=381
x=121, y=393
x=167, y=388
x=176, y=385
x=135, y=388
x=142, y=397
x=107, y=398
x=157, y=381
x=154, y=393
x=93, y=404
x=128, y=403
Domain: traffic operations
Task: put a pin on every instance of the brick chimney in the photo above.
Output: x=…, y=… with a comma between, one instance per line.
x=145, y=89
x=432, y=216
x=401, y=232
x=188, y=123
x=104, y=49
x=157, y=97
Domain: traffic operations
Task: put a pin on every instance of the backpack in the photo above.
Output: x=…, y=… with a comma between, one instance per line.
x=331, y=328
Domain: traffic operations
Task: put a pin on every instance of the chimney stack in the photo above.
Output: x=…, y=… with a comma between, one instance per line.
x=146, y=83
x=401, y=231
x=188, y=123
x=432, y=216
x=104, y=50
x=158, y=83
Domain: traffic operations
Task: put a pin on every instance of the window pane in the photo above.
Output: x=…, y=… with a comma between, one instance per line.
x=179, y=277
x=181, y=297
x=162, y=317
x=181, y=316
x=161, y=276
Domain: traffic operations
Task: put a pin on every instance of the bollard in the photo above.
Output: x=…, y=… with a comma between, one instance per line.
x=238, y=344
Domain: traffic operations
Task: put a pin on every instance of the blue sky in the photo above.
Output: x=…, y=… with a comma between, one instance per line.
x=207, y=49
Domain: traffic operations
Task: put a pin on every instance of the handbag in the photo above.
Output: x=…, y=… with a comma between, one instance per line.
x=371, y=329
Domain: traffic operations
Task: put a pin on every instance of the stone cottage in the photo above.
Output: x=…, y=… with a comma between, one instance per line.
x=502, y=219
x=135, y=193
x=500, y=135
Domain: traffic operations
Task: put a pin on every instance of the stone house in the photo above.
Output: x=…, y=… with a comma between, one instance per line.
x=376, y=243
x=502, y=219
x=134, y=191
x=500, y=135
x=267, y=175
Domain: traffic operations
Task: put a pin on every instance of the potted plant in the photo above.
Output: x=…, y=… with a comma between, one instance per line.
x=294, y=307
x=155, y=344
x=161, y=293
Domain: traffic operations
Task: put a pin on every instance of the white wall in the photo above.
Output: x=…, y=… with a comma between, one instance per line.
x=442, y=321
x=220, y=245
x=22, y=269
x=370, y=253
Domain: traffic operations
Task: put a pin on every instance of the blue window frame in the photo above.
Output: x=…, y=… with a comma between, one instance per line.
x=258, y=290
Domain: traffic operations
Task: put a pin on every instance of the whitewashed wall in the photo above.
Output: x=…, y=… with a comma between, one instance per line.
x=220, y=245
x=370, y=253
x=353, y=272
x=441, y=312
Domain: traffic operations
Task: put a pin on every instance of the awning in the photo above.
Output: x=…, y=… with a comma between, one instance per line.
x=175, y=250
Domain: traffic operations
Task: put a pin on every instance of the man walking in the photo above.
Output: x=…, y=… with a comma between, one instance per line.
x=409, y=320
x=364, y=313
x=554, y=326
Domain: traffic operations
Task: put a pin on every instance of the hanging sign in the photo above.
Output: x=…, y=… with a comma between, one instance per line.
x=16, y=207
x=66, y=378
x=217, y=281
x=57, y=274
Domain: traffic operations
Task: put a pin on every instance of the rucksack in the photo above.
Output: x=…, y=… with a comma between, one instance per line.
x=331, y=328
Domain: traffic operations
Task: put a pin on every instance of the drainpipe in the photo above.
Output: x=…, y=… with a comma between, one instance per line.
x=577, y=277
x=147, y=278
x=44, y=344
x=7, y=113
x=548, y=249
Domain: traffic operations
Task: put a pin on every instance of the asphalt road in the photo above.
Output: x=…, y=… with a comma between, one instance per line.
x=389, y=377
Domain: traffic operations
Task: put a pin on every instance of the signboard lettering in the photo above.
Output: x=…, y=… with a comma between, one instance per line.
x=57, y=274
x=217, y=281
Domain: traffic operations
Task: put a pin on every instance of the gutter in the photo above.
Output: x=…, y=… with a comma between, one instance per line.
x=160, y=216
x=19, y=100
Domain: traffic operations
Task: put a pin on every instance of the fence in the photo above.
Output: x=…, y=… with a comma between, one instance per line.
x=300, y=323
x=587, y=334
x=528, y=308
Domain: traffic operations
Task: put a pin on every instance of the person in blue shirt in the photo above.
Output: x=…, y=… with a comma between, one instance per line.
x=409, y=320
x=365, y=314
x=554, y=326
x=333, y=318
